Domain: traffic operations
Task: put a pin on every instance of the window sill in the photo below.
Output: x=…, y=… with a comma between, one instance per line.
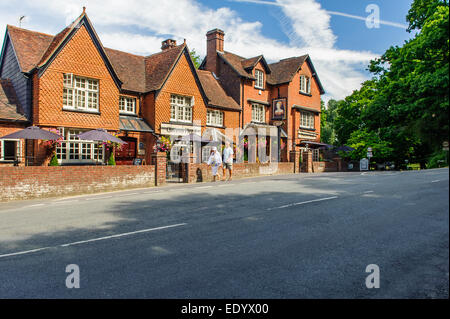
x=215, y=126
x=307, y=128
x=180, y=122
x=257, y=122
x=80, y=111
x=304, y=93
x=128, y=114
x=262, y=89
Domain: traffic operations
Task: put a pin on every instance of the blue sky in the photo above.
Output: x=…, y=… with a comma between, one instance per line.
x=334, y=33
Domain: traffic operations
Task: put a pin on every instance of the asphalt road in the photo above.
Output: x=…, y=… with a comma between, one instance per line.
x=290, y=236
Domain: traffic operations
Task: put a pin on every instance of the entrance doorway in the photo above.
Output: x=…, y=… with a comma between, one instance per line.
x=127, y=153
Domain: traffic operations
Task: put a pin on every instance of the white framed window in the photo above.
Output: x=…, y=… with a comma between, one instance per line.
x=258, y=113
x=74, y=150
x=10, y=150
x=181, y=108
x=307, y=120
x=316, y=155
x=127, y=105
x=259, y=82
x=305, y=84
x=80, y=93
x=214, y=118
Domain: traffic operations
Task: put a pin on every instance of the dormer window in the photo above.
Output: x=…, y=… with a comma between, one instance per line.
x=305, y=84
x=259, y=82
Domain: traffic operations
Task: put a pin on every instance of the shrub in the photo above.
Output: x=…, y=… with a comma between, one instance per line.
x=437, y=159
x=54, y=161
x=111, y=160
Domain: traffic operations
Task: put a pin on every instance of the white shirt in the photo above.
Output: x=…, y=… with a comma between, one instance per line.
x=215, y=159
x=228, y=155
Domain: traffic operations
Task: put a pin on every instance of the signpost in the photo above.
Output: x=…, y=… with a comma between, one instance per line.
x=278, y=125
x=445, y=148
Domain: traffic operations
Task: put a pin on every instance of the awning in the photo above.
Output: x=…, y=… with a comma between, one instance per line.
x=305, y=108
x=315, y=144
x=134, y=124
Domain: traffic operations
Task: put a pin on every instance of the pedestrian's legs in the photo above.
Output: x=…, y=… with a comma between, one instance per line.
x=224, y=170
x=231, y=174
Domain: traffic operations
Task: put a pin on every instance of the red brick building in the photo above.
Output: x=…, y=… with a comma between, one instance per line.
x=72, y=83
x=257, y=87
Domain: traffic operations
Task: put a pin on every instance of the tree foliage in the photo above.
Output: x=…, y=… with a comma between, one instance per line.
x=195, y=58
x=405, y=104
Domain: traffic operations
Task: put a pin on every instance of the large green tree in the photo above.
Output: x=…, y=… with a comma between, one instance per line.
x=405, y=105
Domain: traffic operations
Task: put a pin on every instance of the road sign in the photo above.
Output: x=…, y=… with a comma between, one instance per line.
x=445, y=146
x=369, y=154
x=369, y=149
x=364, y=164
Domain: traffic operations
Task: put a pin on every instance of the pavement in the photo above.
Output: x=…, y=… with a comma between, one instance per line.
x=286, y=236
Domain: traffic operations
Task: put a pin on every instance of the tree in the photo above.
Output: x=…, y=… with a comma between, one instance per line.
x=405, y=105
x=195, y=58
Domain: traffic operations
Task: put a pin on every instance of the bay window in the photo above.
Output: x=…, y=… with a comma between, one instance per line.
x=74, y=150
x=80, y=93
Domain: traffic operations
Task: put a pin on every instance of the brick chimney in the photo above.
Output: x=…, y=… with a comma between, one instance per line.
x=167, y=44
x=214, y=43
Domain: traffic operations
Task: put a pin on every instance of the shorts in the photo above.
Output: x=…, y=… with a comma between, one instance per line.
x=228, y=166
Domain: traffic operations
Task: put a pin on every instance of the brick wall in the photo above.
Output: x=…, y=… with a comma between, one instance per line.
x=202, y=173
x=46, y=181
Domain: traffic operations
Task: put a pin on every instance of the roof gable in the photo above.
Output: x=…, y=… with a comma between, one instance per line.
x=158, y=67
x=60, y=40
x=29, y=46
x=215, y=92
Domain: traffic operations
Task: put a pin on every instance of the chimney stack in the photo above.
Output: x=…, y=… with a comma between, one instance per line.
x=167, y=44
x=214, y=44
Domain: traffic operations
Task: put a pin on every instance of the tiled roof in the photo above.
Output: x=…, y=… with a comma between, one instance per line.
x=235, y=61
x=138, y=73
x=158, y=66
x=129, y=68
x=215, y=93
x=9, y=104
x=284, y=70
x=29, y=46
x=250, y=63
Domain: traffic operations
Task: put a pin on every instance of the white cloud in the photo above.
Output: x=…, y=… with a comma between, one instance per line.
x=139, y=26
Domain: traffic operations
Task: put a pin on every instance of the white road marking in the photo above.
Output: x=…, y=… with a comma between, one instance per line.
x=92, y=240
x=301, y=203
x=121, y=235
x=24, y=252
x=64, y=202
x=435, y=181
x=367, y=192
x=99, y=198
x=203, y=187
x=35, y=205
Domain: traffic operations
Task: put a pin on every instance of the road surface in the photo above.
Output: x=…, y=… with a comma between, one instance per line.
x=289, y=236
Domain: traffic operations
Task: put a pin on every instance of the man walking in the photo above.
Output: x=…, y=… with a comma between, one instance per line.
x=227, y=161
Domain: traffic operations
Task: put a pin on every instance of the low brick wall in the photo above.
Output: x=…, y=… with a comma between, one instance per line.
x=202, y=173
x=320, y=167
x=46, y=181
